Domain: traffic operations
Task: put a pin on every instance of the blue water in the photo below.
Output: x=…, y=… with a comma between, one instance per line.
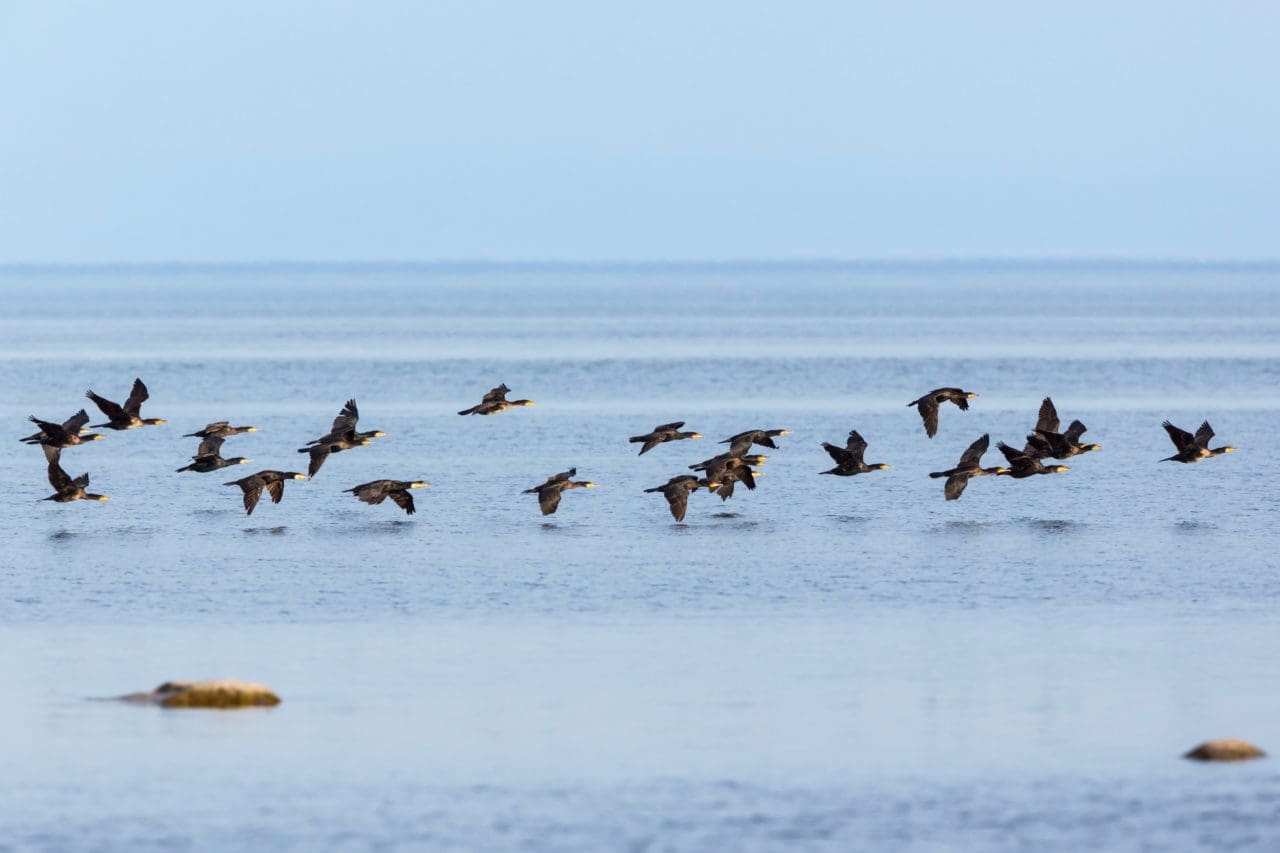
x=819, y=664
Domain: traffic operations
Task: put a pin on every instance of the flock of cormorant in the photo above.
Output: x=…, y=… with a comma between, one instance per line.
x=718, y=474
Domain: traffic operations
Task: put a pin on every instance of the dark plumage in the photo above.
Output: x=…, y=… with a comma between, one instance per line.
x=848, y=459
x=272, y=481
x=1046, y=442
x=220, y=429
x=128, y=416
x=1022, y=464
x=494, y=402
x=549, y=492
x=68, y=434
x=741, y=443
x=342, y=436
x=65, y=489
x=660, y=434
x=209, y=457
x=969, y=466
x=1193, y=448
x=929, y=403
x=727, y=469
x=677, y=491
x=377, y=491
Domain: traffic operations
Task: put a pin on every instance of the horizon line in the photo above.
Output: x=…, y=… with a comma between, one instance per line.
x=462, y=265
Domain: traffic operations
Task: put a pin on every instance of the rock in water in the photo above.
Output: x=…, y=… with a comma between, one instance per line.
x=221, y=693
x=1227, y=749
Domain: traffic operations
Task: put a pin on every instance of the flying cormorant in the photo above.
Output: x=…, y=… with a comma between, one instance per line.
x=928, y=405
x=1193, y=448
x=662, y=433
x=377, y=491
x=848, y=459
x=272, y=481
x=969, y=466
x=128, y=416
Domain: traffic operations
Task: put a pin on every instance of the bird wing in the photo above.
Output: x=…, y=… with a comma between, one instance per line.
x=857, y=445
x=275, y=488
x=346, y=419
x=76, y=422
x=548, y=500
x=928, y=409
x=108, y=408
x=954, y=487
x=973, y=455
x=52, y=432
x=51, y=453
x=839, y=454
x=746, y=475
x=739, y=446
x=252, y=492
x=137, y=397
x=726, y=488
x=679, y=501
x=562, y=476
x=1180, y=437
x=210, y=446
x=404, y=500
x=1013, y=454
x=1048, y=420
x=496, y=394
x=81, y=481
x=57, y=477
x=649, y=445
x=1074, y=430
x=674, y=425
x=1203, y=435
x=319, y=454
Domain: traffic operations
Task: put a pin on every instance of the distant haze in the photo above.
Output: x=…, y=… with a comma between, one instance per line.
x=140, y=132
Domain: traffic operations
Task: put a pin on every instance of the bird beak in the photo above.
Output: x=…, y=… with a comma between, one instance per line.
x=971, y=395
x=530, y=403
x=365, y=442
x=252, y=429
x=1231, y=450
x=1063, y=468
x=712, y=486
x=696, y=435
x=418, y=485
x=103, y=498
x=299, y=476
x=97, y=438
x=887, y=467
x=784, y=432
x=591, y=485
x=245, y=461
x=160, y=421
x=377, y=433
x=83, y=430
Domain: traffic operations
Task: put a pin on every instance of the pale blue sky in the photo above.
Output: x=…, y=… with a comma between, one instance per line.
x=662, y=130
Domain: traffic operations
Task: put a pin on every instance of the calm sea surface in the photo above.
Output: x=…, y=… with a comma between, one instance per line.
x=820, y=664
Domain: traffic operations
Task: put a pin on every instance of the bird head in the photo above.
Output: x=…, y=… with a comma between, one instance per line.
x=155, y=421
x=94, y=436
x=101, y=498
x=1092, y=447
x=1060, y=469
x=299, y=476
x=251, y=429
x=970, y=395
x=695, y=435
x=240, y=460
x=525, y=403
x=588, y=485
x=377, y=433
x=366, y=441
x=1229, y=449
x=418, y=484
x=882, y=467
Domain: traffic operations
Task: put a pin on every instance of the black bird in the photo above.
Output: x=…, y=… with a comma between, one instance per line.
x=272, y=481
x=1023, y=464
x=549, y=492
x=928, y=405
x=969, y=466
x=1047, y=442
x=677, y=491
x=128, y=416
x=1193, y=448
x=221, y=429
x=741, y=443
x=74, y=425
x=494, y=402
x=59, y=436
x=342, y=436
x=66, y=489
x=662, y=433
x=209, y=457
x=377, y=491
x=727, y=469
x=848, y=459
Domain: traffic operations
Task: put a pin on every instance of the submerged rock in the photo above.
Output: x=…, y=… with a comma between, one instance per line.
x=1227, y=749
x=220, y=693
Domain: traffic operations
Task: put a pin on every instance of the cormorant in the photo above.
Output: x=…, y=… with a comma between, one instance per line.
x=1047, y=442
x=741, y=443
x=342, y=436
x=222, y=429
x=74, y=425
x=127, y=416
x=377, y=491
x=848, y=459
x=60, y=435
x=727, y=469
x=969, y=466
x=928, y=405
x=662, y=433
x=209, y=457
x=494, y=402
x=272, y=481
x=549, y=492
x=66, y=489
x=1193, y=448
x=677, y=491
x=1023, y=464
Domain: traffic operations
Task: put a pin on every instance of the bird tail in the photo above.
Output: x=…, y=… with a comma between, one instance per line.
x=99, y=426
x=655, y=489
x=187, y=468
x=636, y=439
x=936, y=474
x=470, y=411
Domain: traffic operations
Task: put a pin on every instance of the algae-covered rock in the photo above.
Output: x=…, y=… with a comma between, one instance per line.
x=1226, y=749
x=221, y=693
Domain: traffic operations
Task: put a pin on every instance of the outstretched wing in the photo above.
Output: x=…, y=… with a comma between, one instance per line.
x=319, y=454
x=649, y=445
x=496, y=394
x=76, y=422
x=973, y=455
x=954, y=487
x=671, y=426
x=210, y=446
x=404, y=500
x=57, y=477
x=1180, y=437
x=252, y=492
x=548, y=500
x=137, y=397
x=928, y=409
x=839, y=454
x=1074, y=430
x=679, y=501
x=857, y=445
x=1048, y=420
x=52, y=432
x=1013, y=454
x=346, y=419
x=1203, y=435
x=275, y=488
x=562, y=476
x=108, y=408
x=82, y=481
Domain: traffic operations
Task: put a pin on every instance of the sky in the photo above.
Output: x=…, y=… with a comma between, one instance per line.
x=236, y=132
